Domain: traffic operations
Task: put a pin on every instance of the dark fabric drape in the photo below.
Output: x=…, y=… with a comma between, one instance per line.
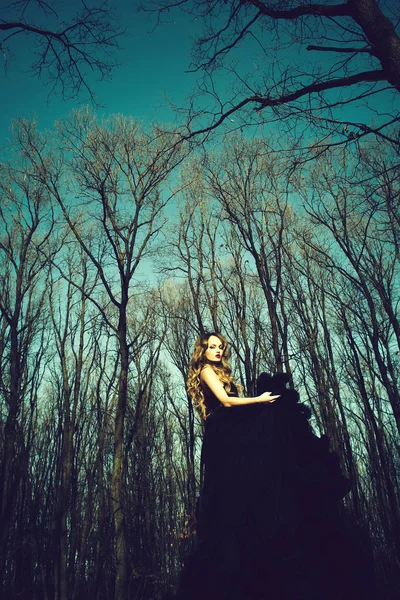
x=269, y=520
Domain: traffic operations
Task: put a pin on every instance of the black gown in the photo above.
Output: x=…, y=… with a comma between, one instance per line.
x=268, y=520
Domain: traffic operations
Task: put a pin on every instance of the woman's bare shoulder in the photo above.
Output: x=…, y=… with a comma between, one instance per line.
x=208, y=375
x=212, y=385
x=205, y=370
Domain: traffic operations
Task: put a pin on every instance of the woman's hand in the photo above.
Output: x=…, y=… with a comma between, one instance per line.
x=267, y=397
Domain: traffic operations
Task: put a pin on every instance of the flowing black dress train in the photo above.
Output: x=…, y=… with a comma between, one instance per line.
x=268, y=520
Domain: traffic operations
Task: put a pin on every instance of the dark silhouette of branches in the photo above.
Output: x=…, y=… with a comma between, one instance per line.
x=26, y=222
x=67, y=54
x=309, y=60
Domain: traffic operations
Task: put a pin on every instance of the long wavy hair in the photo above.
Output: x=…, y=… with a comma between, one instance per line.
x=198, y=361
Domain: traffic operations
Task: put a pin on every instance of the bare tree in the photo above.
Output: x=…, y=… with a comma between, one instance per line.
x=26, y=222
x=252, y=191
x=346, y=204
x=179, y=309
x=69, y=323
x=309, y=61
x=349, y=301
x=119, y=170
x=379, y=443
x=66, y=53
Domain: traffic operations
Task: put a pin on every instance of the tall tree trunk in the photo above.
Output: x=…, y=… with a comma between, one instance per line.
x=389, y=508
x=118, y=476
x=11, y=461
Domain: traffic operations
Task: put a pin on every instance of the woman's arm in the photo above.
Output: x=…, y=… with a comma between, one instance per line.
x=212, y=381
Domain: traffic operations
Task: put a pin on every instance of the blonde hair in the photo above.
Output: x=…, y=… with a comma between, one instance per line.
x=198, y=361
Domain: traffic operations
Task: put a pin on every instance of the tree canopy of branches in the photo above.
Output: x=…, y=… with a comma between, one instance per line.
x=311, y=63
x=100, y=445
x=66, y=53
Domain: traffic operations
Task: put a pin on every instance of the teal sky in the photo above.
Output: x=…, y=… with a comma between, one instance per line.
x=154, y=64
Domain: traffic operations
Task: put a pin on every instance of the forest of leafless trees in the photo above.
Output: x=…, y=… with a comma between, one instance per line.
x=118, y=247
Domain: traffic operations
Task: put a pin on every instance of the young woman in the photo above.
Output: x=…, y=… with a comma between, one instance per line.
x=210, y=382
x=267, y=523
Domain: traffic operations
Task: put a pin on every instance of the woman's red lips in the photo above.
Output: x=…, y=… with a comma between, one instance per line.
x=217, y=356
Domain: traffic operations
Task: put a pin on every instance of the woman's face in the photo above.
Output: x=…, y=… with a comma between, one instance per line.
x=215, y=349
